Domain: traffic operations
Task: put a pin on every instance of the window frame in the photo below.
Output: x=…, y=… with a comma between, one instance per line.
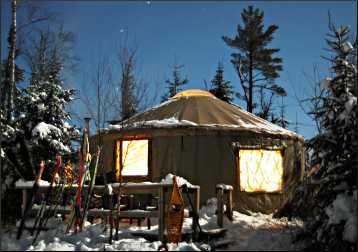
x=237, y=157
x=132, y=178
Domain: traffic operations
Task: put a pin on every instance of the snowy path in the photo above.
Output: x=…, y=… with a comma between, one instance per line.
x=261, y=232
x=255, y=232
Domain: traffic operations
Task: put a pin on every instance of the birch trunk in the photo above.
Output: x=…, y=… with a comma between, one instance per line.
x=11, y=61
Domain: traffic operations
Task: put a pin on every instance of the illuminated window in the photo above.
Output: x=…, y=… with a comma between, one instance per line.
x=134, y=158
x=260, y=170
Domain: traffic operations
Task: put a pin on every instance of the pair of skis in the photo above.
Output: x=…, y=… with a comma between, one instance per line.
x=78, y=217
x=93, y=174
x=41, y=221
x=76, y=206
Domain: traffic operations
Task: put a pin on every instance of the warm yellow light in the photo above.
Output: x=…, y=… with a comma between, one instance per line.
x=134, y=158
x=193, y=92
x=260, y=170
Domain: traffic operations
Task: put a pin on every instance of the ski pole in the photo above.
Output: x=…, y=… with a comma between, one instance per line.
x=47, y=199
x=90, y=188
x=28, y=207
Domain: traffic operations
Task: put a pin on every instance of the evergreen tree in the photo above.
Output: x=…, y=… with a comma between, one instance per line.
x=40, y=127
x=331, y=220
x=282, y=121
x=175, y=84
x=128, y=83
x=255, y=63
x=46, y=49
x=338, y=164
x=221, y=88
x=4, y=85
x=268, y=114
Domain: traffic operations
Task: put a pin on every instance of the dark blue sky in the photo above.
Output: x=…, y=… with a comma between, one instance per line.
x=191, y=32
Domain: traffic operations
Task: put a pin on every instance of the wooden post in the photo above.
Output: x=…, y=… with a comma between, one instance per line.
x=24, y=200
x=197, y=200
x=229, y=211
x=131, y=206
x=161, y=214
x=219, y=196
x=197, y=207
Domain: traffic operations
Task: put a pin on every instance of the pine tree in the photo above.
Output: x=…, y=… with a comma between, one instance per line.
x=331, y=221
x=221, y=88
x=280, y=119
x=11, y=74
x=255, y=63
x=43, y=121
x=4, y=85
x=335, y=150
x=175, y=84
x=41, y=125
x=128, y=83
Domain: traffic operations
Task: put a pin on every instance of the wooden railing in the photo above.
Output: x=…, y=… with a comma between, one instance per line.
x=159, y=189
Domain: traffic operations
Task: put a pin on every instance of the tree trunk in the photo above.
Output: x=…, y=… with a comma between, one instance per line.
x=11, y=61
x=99, y=109
x=249, y=105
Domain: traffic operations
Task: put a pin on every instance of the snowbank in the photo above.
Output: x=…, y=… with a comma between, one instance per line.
x=261, y=232
x=209, y=210
x=255, y=232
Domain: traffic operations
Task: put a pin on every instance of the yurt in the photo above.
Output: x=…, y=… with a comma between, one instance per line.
x=207, y=141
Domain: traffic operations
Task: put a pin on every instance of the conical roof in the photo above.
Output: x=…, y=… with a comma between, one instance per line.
x=198, y=108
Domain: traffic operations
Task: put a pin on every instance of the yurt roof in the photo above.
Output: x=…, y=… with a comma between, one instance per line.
x=200, y=109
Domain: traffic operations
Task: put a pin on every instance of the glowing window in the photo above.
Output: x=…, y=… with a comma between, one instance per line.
x=134, y=157
x=260, y=170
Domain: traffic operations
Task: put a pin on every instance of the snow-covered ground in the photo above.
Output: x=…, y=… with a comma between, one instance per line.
x=255, y=232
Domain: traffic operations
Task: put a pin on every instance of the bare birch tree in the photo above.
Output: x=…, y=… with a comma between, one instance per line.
x=11, y=62
x=98, y=94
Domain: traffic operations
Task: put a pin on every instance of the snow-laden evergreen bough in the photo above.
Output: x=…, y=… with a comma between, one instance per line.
x=333, y=225
x=40, y=128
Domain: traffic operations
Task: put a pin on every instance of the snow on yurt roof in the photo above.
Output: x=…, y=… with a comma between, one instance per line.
x=200, y=109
